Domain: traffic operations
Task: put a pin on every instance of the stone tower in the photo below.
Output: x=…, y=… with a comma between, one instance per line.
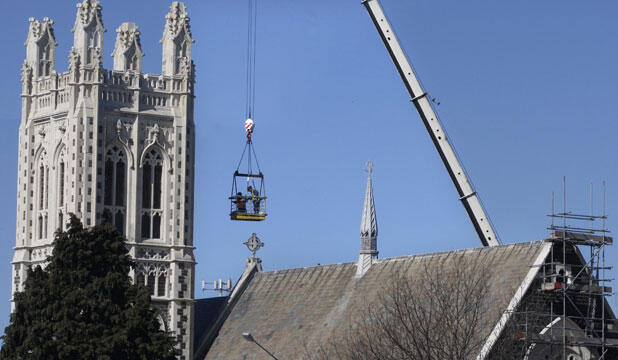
x=116, y=145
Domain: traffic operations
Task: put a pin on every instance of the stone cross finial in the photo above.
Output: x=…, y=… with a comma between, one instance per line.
x=254, y=244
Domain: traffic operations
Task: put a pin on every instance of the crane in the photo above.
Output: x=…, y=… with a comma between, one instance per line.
x=419, y=98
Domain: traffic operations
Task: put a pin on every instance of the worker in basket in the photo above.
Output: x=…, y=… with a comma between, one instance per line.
x=241, y=203
x=254, y=195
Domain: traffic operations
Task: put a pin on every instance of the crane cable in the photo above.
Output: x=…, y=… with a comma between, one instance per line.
x=250, y=90
x=251, y=50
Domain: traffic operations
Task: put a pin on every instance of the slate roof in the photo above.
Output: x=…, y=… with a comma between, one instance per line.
x=289, y=311
x=206, y=312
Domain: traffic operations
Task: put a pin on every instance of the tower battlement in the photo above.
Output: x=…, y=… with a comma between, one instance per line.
x=124, y=87
x=112, y=145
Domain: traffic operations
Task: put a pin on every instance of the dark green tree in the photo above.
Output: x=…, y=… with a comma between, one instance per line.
x=83, y=305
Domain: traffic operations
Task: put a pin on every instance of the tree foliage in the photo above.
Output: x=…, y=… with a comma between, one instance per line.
x=83, y=305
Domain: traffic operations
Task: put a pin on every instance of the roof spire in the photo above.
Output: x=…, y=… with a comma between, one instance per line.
x=368, y=229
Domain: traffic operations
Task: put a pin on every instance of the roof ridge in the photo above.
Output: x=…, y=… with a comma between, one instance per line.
x=403, y=257
x=446, y=252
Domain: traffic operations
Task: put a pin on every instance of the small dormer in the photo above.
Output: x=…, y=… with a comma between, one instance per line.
x=176, y=41
x=128, y=51
x=41, y=47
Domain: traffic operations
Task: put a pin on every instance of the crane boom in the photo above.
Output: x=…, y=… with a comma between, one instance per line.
x=467, y=195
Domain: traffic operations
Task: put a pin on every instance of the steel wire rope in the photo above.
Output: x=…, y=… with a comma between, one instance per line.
x=254, y=48
x=248, y=59
x=249, y=158
x=242, y=156
x=256, y=160
x=251, y=55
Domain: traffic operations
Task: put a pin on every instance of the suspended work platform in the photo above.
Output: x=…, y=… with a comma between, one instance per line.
x=249, y=206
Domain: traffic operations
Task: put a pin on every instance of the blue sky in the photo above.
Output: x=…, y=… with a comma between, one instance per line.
x=528, y=95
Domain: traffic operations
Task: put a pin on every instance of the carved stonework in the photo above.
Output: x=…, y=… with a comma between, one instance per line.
x=26, y=73
x=152, y=254
x=152, y=268
x=127, y=34
x=112, y=145
x=98, y=58
x=88, y=11
x=74, y=60
x=40, y=254
x=154, y=133
x=177, y=19
x=128, y=50
x=26, y=78
x=37, y=28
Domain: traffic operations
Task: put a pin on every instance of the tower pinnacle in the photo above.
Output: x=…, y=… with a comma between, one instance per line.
x=368, y=229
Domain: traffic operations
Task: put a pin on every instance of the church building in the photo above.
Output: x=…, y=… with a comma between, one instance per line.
x=533, y=305
x=115, y=144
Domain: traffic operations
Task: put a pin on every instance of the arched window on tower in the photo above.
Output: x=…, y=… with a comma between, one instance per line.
x=161, y=283
x=93, y=42
x=60, y=181
x=114, y=193
x=131, y=59
x=150, y=284
x=154, y=277
x=152, y=172
x=181, y=53
x=40, y=227
x=41, y=186
x=45, y=60
x=140, y=280
x=42, y=196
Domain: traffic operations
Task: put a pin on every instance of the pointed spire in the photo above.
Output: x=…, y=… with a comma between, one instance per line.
x=87, y=12
x=88, y=33
x=368, y=229
x=128, y=50
x=177, y=41
x=41, y=47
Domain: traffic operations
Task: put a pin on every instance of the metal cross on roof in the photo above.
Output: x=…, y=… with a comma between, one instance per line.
x=253, y=243
x=369, y=166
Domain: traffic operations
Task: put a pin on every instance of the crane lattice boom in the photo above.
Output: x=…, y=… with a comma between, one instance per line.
x=467, y=195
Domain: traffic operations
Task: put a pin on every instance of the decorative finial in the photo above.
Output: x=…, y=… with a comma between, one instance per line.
x=177, y=19
x=89, y=10
x=254, y=244
x=369, y=166
x=155, y=133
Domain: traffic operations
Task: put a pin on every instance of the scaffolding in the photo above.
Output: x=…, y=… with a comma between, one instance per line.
x=569, y=317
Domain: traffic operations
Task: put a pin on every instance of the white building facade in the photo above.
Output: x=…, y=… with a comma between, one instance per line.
x=116, y=145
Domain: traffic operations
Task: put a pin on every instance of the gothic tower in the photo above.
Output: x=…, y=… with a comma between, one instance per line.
x=115, y=145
